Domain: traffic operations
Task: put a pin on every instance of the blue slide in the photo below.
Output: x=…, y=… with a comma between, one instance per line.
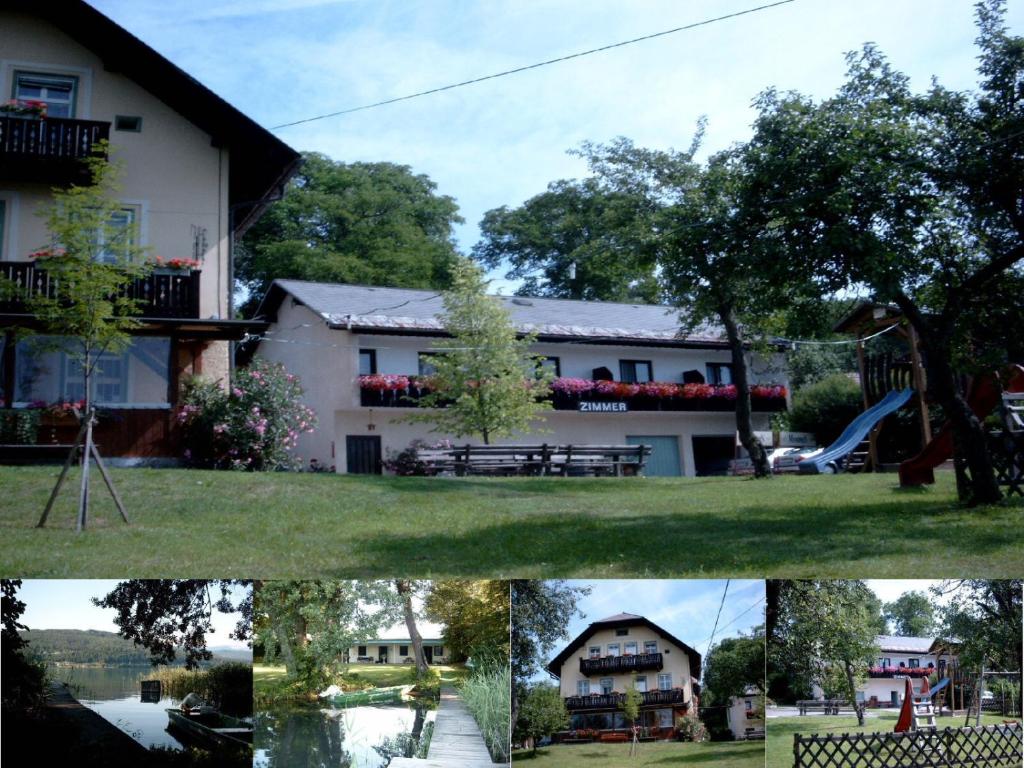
x=939, y=686
x=852, y=436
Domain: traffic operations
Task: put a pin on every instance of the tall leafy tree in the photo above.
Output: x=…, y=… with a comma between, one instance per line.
x=917, y=197
x=911, y=615
x=474, y=613
x=542, y=713
x=367, y=223
x=577, y=240
x=825, y=631
x=313, y=624
x=486, y=381
x=406, y=588
x=541, y=612
x=735, y=665
x=168, y=615
x=706, y=231
x=984, y=616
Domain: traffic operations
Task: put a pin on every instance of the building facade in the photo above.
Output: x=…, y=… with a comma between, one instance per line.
x=361, y=351
x=193, y=174
x=745, y=716
x=397, y=651
x=624, y=652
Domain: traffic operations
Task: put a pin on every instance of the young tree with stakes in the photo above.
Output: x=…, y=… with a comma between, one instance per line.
x=90, y=263
x=485, y=382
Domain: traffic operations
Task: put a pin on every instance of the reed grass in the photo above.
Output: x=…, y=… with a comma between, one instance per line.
x=487, y=695
x=227, y=686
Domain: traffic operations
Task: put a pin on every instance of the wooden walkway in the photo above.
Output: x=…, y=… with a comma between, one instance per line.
x=456, y=742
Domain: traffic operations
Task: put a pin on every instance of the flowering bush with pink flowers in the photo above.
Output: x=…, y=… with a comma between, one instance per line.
x=254, y=426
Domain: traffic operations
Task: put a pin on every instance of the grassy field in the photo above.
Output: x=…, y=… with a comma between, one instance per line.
x=735, y=754
x=780, y=730
x=282, y=525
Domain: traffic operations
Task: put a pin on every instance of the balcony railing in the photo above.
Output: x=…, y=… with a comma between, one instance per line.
x=615, y=700
x=613, y=664
x=161, y=295
x=405, y=392
x=901, y=671
x=49, y=150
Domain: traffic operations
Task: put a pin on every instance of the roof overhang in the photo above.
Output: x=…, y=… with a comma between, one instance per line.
x=555, y=667
x=184, y=329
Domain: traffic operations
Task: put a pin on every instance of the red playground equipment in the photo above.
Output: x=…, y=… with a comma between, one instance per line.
x=985, y=394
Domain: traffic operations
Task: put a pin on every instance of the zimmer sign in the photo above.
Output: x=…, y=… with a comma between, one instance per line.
x=589, y=406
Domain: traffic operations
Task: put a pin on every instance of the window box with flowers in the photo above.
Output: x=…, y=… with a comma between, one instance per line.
x=391, y=390
x=25, y=109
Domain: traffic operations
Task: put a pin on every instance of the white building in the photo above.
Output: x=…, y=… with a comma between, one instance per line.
x=343, y=340
x=745, y=716
x=393, y=646
x=900, y=658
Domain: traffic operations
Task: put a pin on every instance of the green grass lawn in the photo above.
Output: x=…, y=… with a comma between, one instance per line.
x=780, y=730
x=271, y=684
x=721, y=754
x=283, y=525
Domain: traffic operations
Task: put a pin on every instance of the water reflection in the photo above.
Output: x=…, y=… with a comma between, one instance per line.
x=114, y=694
x=357, y=737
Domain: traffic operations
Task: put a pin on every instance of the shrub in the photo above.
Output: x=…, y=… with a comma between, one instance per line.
x=228, y=686
x=18, y=426
x=689, y=728
x=253, y=426
x=826, y=407
x=407, y=462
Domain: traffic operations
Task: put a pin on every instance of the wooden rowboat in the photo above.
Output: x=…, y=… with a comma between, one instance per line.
x=210, y=729
x=370, y=696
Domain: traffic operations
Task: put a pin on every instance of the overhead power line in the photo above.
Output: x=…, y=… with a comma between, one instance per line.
x=537, y=65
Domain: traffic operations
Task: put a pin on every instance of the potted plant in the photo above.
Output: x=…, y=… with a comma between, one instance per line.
x=25, y=109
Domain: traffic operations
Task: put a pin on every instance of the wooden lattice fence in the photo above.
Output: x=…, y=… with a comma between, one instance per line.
x=987, y=746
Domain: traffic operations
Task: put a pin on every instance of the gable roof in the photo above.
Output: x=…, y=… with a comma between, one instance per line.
x=900, y=644
x=406, y=311
x=260, y=162
x=617, y=621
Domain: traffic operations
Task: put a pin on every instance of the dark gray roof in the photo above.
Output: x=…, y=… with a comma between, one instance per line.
x=904, y=644
x=366, y=308
x=619, y=617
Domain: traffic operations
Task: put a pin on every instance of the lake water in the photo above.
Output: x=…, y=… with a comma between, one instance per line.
x=311, y=737
x=114, y=693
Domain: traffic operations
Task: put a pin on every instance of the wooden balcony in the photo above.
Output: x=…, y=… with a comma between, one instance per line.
x=48, y=151
x=673, y=697
x=883, y=672
x=162, y=295
x=615, y=664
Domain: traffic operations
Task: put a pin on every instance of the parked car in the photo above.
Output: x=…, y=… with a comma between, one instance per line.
x=746, y=466
x=787, y=460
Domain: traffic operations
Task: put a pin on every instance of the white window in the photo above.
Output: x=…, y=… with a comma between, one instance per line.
x=664, y=682
x=607, y=685
x=630, y=648
x=595, y=651
x=640, y=683
x=650, y=646
x=613, y=649
x=122, y=233
x=582, y=687
x=57, y=91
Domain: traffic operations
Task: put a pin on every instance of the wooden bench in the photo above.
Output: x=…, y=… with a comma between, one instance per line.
x=537, y=460
x=826, y=706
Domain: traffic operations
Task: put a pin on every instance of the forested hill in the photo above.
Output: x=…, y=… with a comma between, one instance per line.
x=77, y=646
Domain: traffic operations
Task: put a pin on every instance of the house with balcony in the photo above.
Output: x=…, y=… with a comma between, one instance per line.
x=194, y=174
x=624, y=652
x=900, y=658
x=623, y=374
x=745, y=715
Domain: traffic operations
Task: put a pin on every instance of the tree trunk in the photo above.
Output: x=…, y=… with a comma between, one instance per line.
x=404, y=589
x=744, y=415
x=851, y=691
x=286, y=649
x=969, y=434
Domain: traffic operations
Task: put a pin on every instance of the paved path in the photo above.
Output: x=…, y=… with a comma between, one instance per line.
x=456, y=742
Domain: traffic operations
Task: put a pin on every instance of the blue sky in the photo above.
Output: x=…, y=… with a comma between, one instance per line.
x=500, y=142
x=684, y=607
x=66, y=604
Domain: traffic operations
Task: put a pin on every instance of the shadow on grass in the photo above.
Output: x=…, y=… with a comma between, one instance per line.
x=813, y=541
x=713, y=753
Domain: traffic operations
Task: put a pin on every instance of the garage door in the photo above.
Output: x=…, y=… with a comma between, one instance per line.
x=712, y=454
x=664, y=458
